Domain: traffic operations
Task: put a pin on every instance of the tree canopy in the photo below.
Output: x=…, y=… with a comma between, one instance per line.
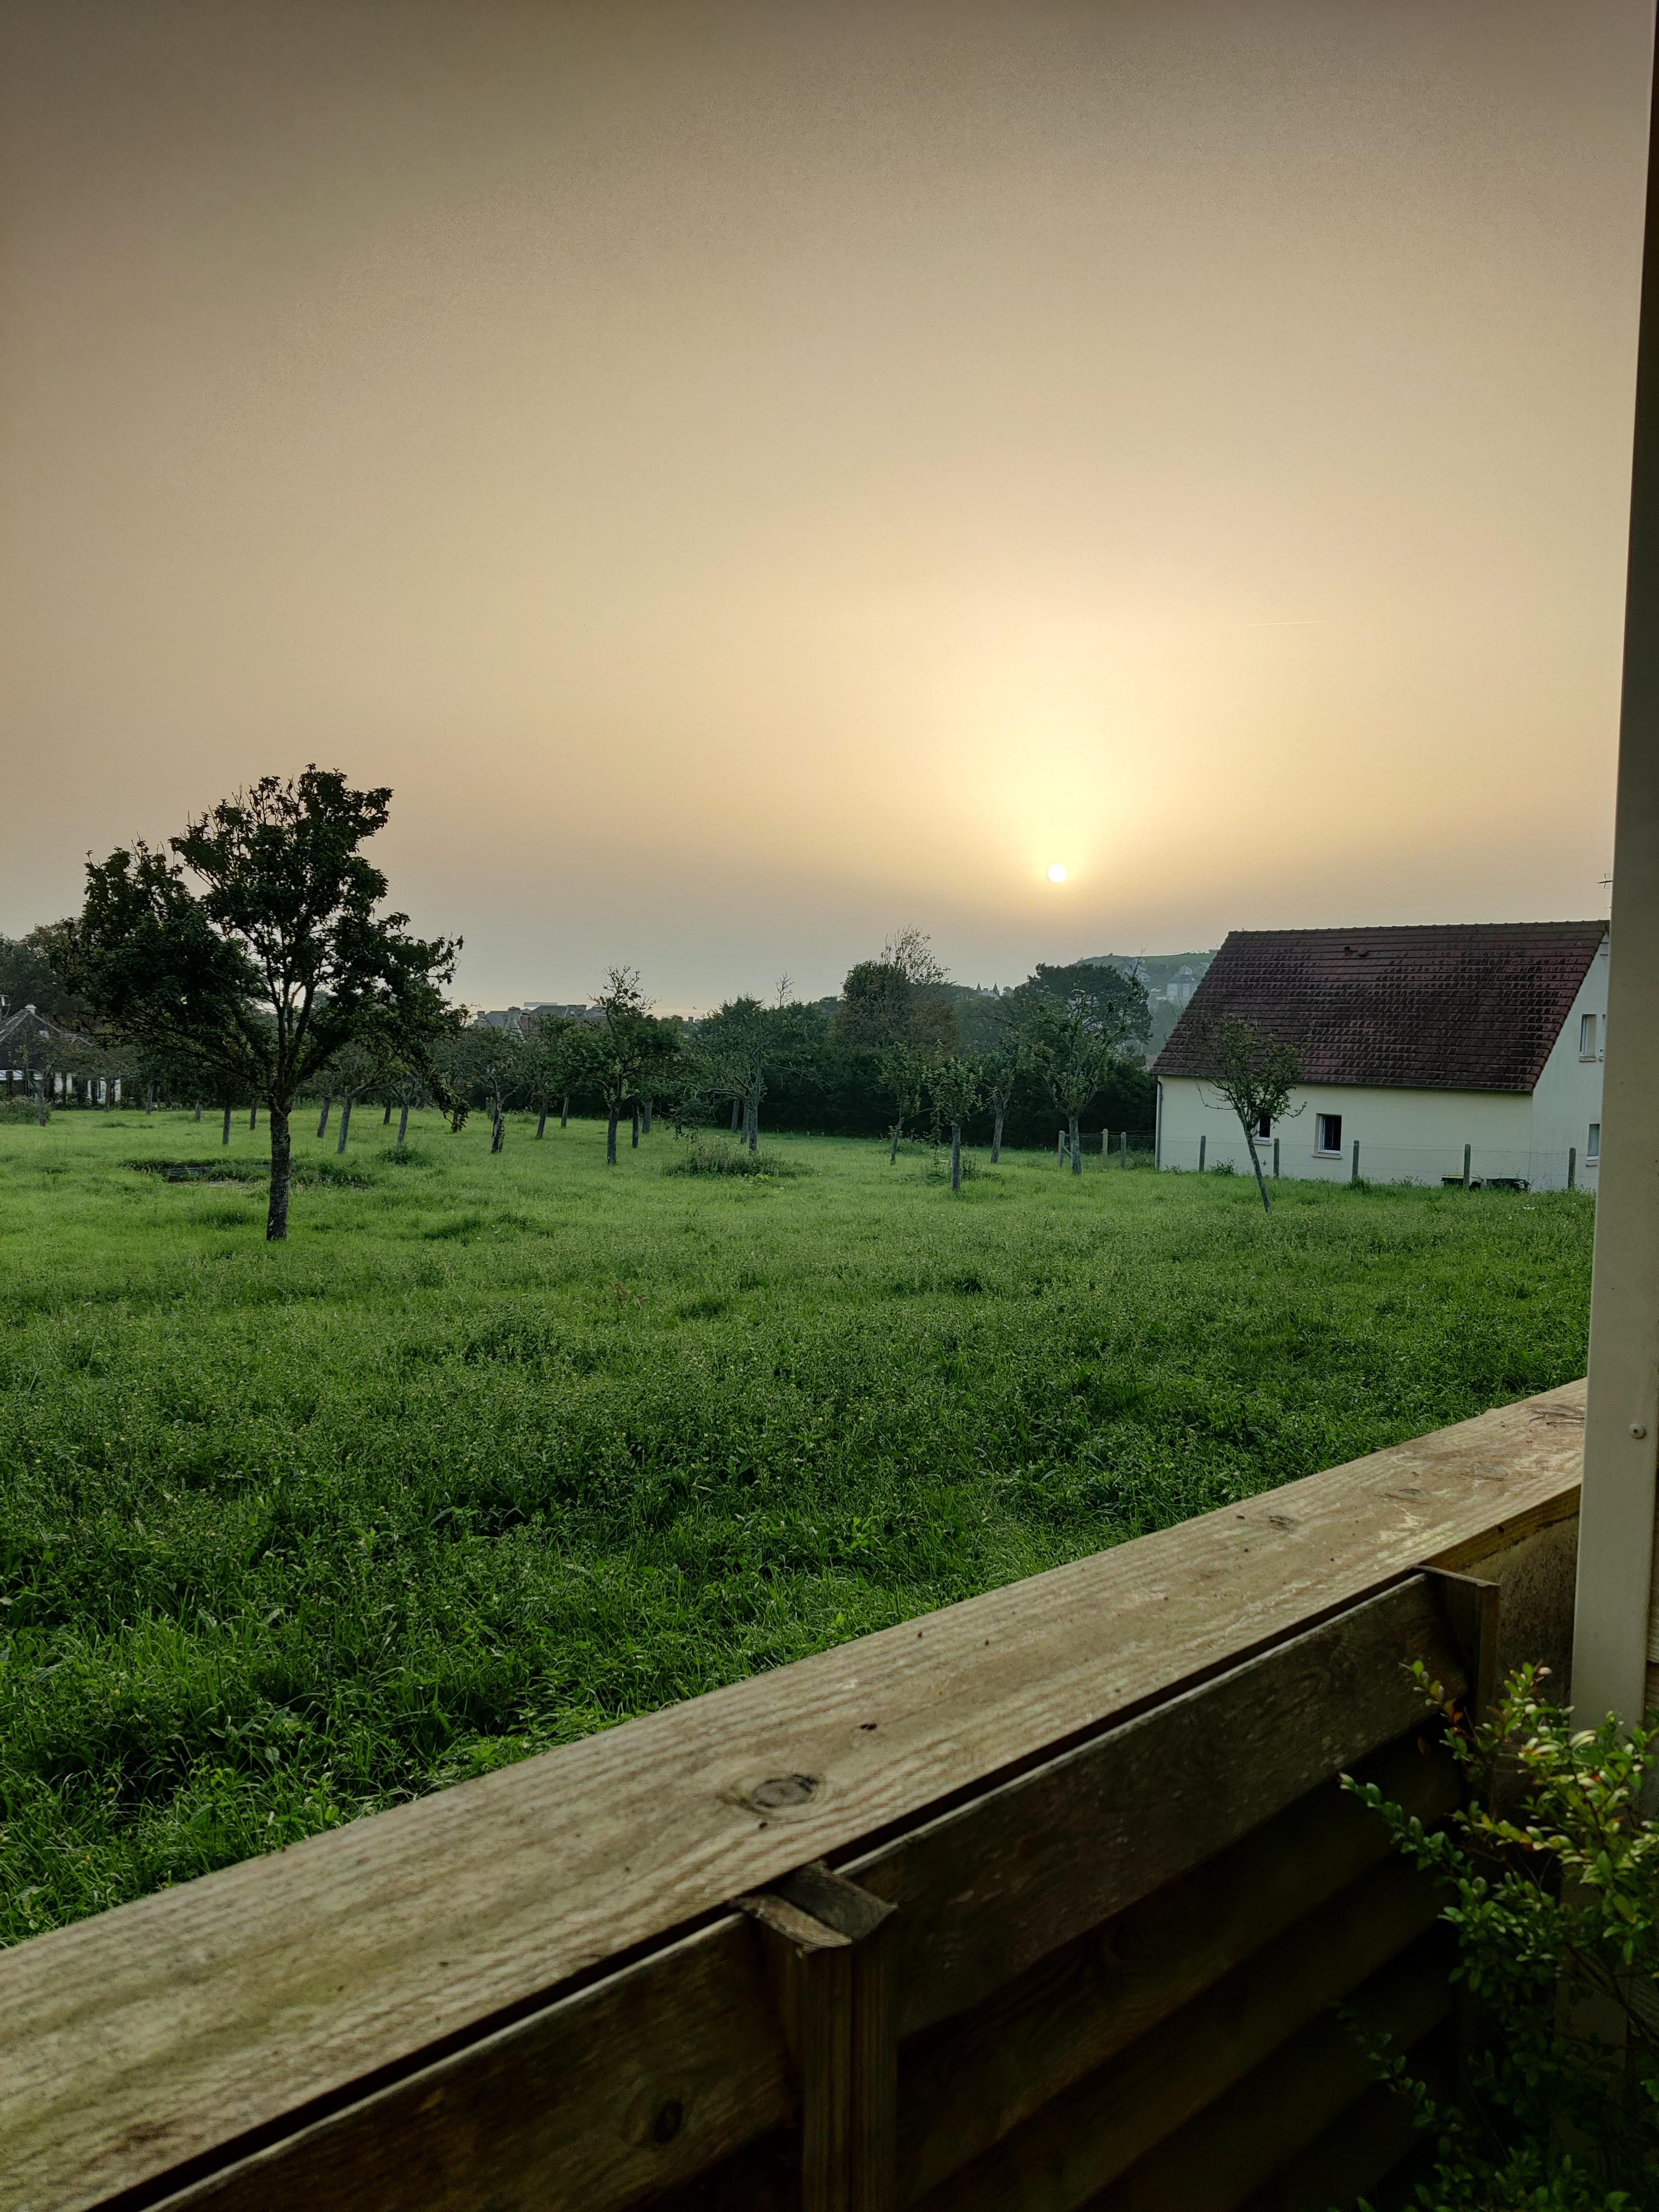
x=253, y=945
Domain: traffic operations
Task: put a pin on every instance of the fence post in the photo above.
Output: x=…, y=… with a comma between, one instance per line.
x=829, y=1956
x=226, y=1138
x=1201, y=1143
x=1275, y=1159
x=1572, y=1167
x=1354, y=1177
x=1467, y=1150
x=1060, y=1148
x=1123, y=1147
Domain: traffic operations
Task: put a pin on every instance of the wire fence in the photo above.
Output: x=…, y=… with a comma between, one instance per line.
x=1481, y=1167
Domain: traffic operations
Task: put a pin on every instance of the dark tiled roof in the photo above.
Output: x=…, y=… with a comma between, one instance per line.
x=1459, y=1006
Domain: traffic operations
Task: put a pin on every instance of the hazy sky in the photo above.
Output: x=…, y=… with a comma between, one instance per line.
x=754, y=476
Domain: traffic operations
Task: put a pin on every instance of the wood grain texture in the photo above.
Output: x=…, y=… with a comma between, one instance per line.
x=971, y=2080
x=173, y=2028
x=1085, y=2138
x=1304, y=2126
x=985, y=1890
x=634, y=2085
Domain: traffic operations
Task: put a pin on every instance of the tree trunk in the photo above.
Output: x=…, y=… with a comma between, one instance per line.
x=345, y=1126
x=498, y=1135
x=282, y=1170
x=647, y=1117
x=385, y=1118
x=42, y=1108
x=636, y=1128
x=736, y=1104
x=322, y=1119
x=253, y=1115
x=956, y=1156
x=754, y=1125
x=996, y=1137
x=1261, y=1180
x=1077, y=1148
x=403, y=1122
x=198, y=1109
x=226, y=1138
x=610, y=1137
x=541, y=1126
x=150, y=1098
x=564, y=1112
x=898, y=1131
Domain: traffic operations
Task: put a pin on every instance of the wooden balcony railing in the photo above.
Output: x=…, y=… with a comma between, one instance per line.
x=1039, y=1901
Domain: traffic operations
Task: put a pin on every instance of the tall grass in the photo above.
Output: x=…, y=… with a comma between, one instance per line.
x=496, y=1451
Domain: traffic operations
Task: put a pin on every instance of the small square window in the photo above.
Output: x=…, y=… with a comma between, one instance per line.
x=1327, y=1133
x=1264, y=1128
x=1593, y=1146
x=1587, y=1036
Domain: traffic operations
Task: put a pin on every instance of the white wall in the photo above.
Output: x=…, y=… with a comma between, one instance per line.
x=1404, y=1136
x=1569, y=1094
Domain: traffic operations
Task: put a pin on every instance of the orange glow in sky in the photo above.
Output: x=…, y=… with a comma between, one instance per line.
x=755, y=476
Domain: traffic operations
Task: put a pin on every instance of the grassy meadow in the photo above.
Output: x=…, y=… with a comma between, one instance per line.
x=498, y=1451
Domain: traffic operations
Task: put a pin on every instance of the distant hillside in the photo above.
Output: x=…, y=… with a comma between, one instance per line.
x=1170, y=978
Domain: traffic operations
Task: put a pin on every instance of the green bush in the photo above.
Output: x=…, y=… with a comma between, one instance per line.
x=20, y=1109
x=1553, y=1875
x=710, y=1156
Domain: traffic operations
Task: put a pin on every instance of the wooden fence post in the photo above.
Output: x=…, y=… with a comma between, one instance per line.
x=1354, y=1177
x=1123, y=1147
x=1572, y=1167
x=1275, y=1159
x=1201, y=1143
x=830, y=1957
x=1468, y=1151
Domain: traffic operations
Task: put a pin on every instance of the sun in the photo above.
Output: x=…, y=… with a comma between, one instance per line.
x=1057, y=872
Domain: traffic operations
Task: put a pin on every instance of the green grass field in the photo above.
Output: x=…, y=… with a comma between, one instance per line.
x=498, y=1451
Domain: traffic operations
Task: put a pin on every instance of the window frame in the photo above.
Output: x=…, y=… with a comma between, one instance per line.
x=1593, y=1146
x=1322, y=1149
x=1588, y=1029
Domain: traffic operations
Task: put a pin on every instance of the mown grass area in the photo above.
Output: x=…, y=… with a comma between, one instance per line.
x=498, y=1451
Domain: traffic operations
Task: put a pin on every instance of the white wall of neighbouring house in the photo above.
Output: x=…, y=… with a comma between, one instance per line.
x=1404, y=1136
x=1567, y=1103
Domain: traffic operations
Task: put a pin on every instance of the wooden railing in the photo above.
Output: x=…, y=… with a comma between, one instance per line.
x=1039, y=1901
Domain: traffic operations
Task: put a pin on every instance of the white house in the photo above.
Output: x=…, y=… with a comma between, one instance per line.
x=1426, y=1053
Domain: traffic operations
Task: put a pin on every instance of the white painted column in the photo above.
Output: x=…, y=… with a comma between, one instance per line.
x=1612, y=1638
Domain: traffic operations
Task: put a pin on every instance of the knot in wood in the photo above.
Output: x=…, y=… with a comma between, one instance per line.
x=783, y=1790
x=666, y=2120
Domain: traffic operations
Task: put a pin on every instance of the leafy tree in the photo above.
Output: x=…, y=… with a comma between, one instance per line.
x=1255, y=1074
x=277, y=963
x=1000, y=1073
x=1115, y=1002
x=626, y=1053
x=1072, y=1048
x=553, y=1066
x=732, y=1047
x=1553, y=1876
x=491, y=1065
x=898, y=999
x=29, y=976
x=904, y=1078
x=957, y=1087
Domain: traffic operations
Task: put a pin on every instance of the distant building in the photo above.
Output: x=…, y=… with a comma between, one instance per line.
x=1415, y=1042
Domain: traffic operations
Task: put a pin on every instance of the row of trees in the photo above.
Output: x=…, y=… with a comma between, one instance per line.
x=249, y=962
x=888, y=1054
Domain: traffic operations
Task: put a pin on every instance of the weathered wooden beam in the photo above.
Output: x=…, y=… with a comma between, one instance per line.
x=968, y=2083
x=830, y=1951
x=1011, y=1876
x=641, y=2081
x=1303, y=2117
x=187, y=2027
x=1085, y=2139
